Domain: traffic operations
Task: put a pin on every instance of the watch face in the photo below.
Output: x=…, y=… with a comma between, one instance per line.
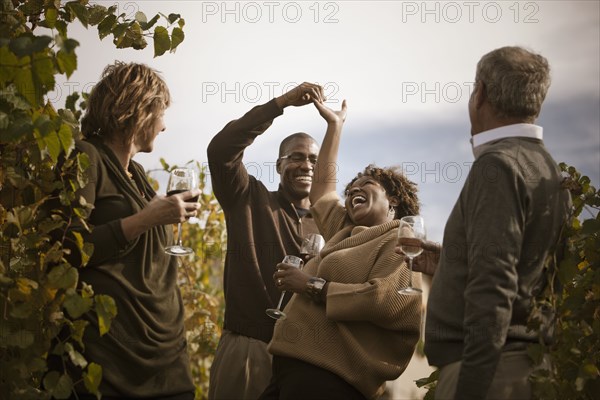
x=314, y=287
x=318, y=284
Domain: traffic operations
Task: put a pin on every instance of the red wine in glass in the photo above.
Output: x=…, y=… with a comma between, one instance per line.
x=177, y=191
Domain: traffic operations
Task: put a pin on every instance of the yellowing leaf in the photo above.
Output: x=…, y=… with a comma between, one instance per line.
x=92, y=377
x=106, y=309
x=25, y=285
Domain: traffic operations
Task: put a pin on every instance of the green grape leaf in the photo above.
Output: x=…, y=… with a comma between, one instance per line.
x=77, y=330
x=63, y=276
x=50, y=380
x=80, y=11
x=63, y=388
x=105, y=27
x=96, y=14
x=177, y=37
x=162, y=43
x=67, y=62
x=173, y=17
x=77, y=305
x=51, y=15
x=66, y=139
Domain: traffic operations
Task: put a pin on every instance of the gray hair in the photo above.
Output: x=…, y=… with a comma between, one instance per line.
x=516, y=81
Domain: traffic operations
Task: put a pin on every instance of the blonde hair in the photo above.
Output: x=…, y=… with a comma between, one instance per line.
x=127, y=101
x=516, y=81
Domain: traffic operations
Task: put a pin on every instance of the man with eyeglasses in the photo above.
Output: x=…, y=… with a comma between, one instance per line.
x=262, y=227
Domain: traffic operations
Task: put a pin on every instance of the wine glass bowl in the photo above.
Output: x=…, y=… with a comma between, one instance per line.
x=311, y=246
x=277, y=313
x=181, y=180
x=412, y=231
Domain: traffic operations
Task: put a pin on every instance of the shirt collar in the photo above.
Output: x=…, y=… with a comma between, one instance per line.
x=516, y=130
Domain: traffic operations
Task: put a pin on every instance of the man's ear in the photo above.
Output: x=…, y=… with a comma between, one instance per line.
x=480, y=94
x=278, y=166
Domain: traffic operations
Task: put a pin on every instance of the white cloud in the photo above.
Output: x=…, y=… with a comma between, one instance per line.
x=404, y=66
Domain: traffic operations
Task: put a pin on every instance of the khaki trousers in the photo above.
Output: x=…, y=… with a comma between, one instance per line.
x=511, y=381
x=241, y=369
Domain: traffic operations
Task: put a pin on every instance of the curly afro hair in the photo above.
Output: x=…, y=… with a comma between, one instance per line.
x=396, y=184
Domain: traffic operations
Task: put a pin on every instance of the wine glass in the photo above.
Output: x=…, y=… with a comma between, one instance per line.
x=311, y=246
x=276, y=313
x=181, y=180
x=411, y=227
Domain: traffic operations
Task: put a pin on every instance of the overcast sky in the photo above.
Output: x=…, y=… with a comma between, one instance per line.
x=406, y=69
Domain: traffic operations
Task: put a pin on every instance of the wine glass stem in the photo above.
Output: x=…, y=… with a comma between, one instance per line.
x=410, y=262
x=280, y=300
x=179, y=242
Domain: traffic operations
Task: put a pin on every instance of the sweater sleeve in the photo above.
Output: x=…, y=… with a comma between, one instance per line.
x=228, y=174
x=377, y=300
x=329, y=215
x=495, y=204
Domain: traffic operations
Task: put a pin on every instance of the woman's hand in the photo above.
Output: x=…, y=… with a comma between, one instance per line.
x=290, y=278
x=301, y=95
x=166, y=210
x=331, y=116
x=161, y=210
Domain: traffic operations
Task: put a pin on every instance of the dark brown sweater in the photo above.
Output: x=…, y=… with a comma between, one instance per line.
x=144, y=353
x=262, y=226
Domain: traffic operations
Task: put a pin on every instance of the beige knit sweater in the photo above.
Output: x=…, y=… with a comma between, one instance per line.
x=366, y=333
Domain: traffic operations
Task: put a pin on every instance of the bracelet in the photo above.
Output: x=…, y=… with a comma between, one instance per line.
x=314, y=287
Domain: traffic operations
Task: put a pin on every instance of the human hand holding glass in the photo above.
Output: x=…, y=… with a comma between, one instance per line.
x=412, y=227
x=181, y=180
x=277, y=313
x=311, y=246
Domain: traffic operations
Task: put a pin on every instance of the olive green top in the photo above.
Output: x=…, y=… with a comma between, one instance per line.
x=144, y=353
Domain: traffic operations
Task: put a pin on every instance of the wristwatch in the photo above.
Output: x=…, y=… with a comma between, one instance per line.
x=314, y=287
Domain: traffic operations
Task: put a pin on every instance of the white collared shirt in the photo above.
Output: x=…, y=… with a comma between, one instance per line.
x=516, y=130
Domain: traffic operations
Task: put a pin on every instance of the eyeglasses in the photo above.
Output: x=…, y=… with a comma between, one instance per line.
x=299, y=157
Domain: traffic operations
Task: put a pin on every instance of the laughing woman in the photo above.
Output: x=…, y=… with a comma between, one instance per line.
x=347, y=330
